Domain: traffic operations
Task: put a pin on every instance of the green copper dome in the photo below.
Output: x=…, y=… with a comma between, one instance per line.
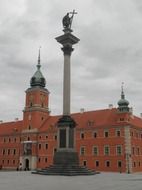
x=38, y=79
x=123, y=103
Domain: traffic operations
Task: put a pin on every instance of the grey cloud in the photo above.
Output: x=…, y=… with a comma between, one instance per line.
x=109, y=52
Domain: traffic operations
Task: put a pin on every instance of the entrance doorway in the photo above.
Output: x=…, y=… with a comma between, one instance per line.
x=27, y=164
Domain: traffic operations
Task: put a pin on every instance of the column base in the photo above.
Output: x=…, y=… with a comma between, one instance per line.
x=66, y=158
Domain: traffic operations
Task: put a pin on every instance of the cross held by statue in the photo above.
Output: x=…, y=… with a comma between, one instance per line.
x=73, y=13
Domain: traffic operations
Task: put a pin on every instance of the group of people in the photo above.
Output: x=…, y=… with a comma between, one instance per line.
x=20, y=168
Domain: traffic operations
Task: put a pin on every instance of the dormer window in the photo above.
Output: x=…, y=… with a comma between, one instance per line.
x=90, y=123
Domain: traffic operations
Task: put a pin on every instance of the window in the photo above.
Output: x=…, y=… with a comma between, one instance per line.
x=95, y=150
x=119, y=150
x=84, y=163
x=82, y=150
x=46, y=137
x=38, y=159
x=8, y=152
x=82, y=135
x=138, y=151
x=4, y=140
x=14, y=151
x=97, y=163
x=7, y=161
x=39, y=146
x=95, y=134
x=118, y=134
x=107, y=163
x=30, y=127
x=3, y=151
x=46, y=146
x=121, y=119
x=55, y=137
x=39, y=137
x=133, y=150
x=106, y=133
x=106, y=150
x=90, y=123
x=134, y=164
x=9, y=140
x=14, y=139
x=46, y=160
x=13, y=161
x=54, y=150
x=119, y=164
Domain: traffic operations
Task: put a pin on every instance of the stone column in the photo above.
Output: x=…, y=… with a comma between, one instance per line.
x=66, y=153
x=67, y=40
x=66, y=81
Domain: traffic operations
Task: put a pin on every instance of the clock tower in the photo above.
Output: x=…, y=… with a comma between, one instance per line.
x=37, y=96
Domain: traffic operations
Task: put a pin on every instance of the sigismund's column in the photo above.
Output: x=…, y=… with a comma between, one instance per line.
x=66, y=153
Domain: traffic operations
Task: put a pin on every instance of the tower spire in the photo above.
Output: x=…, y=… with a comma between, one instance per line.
x=122, y=91
x=123, y=103
x=39, y=65
x=38, y=78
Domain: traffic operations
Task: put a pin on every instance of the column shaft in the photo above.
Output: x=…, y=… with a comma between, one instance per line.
x=66, y=87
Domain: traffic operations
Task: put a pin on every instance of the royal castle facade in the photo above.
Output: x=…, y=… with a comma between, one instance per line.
x=106, y=140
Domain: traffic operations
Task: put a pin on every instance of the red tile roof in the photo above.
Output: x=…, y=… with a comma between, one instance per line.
x=11, y=127
x=98, y=118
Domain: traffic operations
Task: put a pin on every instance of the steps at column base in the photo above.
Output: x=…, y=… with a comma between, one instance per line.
x=68, y=170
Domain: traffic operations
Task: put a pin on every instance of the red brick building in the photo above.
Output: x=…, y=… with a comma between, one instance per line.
x=106, y=140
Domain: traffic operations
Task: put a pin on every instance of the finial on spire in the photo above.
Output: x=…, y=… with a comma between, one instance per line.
x=38, y=65
x=122, y=91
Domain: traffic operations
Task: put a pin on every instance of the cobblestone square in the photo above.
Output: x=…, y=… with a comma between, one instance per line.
x=104, y=181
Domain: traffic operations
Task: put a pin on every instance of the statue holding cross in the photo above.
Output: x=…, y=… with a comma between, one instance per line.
x=67, y=19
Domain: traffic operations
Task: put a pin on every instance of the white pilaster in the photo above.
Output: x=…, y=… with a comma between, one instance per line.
x=128, y=149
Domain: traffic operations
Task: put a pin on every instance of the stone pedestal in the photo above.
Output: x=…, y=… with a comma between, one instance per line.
x=66, y=158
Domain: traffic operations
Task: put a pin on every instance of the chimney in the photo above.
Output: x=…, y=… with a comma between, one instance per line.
x=16, y=119
x=110, y=106
x=82, y=110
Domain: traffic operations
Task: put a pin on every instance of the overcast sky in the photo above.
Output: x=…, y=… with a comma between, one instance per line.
x=109, y=52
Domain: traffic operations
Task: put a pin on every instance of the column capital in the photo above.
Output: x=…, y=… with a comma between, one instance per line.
x=67, y=49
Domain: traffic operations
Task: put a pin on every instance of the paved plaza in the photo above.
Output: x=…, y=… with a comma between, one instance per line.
x=104, y=181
